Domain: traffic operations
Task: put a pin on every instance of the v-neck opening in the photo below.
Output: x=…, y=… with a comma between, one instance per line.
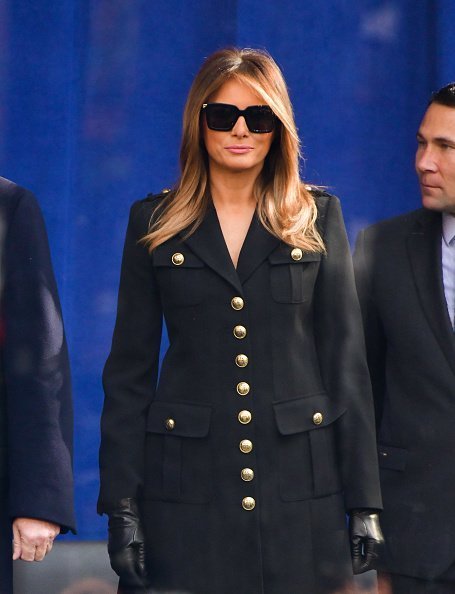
x=241, y=251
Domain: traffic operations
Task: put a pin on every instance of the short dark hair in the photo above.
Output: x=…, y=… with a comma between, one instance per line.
x=444, y=96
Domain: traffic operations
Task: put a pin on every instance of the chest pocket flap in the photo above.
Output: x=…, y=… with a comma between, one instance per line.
x=176, y=256
x=180, y=274
x=283, y=256
x=292, y=278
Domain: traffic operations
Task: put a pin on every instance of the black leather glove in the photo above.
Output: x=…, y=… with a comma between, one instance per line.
x=126, y=545
x=366, y=539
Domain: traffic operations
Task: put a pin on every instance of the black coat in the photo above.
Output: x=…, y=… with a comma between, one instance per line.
x=411, y=353
x=35, y=393
x=305, y=356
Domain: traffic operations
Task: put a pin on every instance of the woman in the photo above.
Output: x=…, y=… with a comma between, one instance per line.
x=233, y=472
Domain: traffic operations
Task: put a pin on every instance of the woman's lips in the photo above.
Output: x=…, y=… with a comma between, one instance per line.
x=239, y=149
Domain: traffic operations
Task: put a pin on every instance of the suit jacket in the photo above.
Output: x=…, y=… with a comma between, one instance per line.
x=35, y=392
x=221, y=514
x=411, y=355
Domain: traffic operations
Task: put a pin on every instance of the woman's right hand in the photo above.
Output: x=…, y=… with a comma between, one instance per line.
x=126, y=546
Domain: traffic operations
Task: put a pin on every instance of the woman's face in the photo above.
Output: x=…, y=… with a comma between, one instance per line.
x=237, y=150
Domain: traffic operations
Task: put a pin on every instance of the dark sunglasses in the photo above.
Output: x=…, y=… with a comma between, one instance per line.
x=222, y=117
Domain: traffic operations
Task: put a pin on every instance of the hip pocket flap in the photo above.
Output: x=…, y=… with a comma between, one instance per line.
x=392, y=458
x=179, y=419
x=306, y=414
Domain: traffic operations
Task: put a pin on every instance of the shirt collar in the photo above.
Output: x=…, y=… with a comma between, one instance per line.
x=448, y=227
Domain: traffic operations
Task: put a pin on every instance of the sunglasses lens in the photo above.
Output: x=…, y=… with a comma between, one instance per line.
x=220, y=116
x=260, y=118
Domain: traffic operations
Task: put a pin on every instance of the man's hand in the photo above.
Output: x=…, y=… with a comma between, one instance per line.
x=33, y=539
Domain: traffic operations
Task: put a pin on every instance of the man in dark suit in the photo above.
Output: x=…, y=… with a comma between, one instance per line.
x=405, y=271
x=36, y=490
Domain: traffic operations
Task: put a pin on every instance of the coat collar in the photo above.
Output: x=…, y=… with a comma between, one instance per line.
x=424, y=249
x=208, y=243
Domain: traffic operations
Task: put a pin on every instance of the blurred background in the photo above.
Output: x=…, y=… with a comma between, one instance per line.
x=91, y=97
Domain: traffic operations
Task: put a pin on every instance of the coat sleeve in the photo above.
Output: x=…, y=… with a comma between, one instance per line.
x=341, y=352
x=37, y=376
x=374, y=332
x=130, y=373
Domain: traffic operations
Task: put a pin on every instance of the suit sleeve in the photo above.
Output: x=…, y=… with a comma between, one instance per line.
x=37, y=376
x=130, y=373
x=374, y=333
x=341, y=352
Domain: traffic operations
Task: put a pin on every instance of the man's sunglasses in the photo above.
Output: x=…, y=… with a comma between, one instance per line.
x=222, y=117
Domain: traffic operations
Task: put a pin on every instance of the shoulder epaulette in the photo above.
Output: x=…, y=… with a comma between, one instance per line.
x=318, y=191
x=151, y=196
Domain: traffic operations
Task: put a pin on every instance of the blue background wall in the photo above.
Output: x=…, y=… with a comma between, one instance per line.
x=91, y=95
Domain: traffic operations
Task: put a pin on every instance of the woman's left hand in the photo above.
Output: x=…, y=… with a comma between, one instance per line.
x=366, y=539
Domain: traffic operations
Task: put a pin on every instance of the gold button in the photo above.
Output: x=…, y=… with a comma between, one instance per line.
x=178, y=259
x=244, y=417
x=170, y=424
x=248, y=503
x=241, y=360
x=237, y=303
x=317, y=418
x=240, y=332
x=243, y=388
x=247, y=474
x=296, y=254
x=165, y=190
x=246, y=446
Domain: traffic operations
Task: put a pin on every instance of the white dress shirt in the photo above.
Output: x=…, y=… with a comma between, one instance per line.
x=448, y=262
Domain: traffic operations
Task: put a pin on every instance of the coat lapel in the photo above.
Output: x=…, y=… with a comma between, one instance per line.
x=258, y=244
x=424, y=249
x=207, y=242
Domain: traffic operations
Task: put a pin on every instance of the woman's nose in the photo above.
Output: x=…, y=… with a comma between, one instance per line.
x=240, y=128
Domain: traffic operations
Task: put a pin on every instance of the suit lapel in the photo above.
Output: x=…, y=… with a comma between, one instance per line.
x=207, y=242
x=424, y=249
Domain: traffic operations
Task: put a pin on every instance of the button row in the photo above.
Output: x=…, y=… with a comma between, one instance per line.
x=244, y=416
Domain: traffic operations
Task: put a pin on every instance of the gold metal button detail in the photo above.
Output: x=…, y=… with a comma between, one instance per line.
x=237, y=303
x=244, y=417
x=247, y=474
x=243, y=388
x=241, y=360
x=170, y=424
x=178, y=259
x=248, y=503
x=318, y=418
x=240, y=332
x=296, y=254
x=246, y=446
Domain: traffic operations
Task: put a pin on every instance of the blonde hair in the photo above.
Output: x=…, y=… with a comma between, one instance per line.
x=285, y=206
